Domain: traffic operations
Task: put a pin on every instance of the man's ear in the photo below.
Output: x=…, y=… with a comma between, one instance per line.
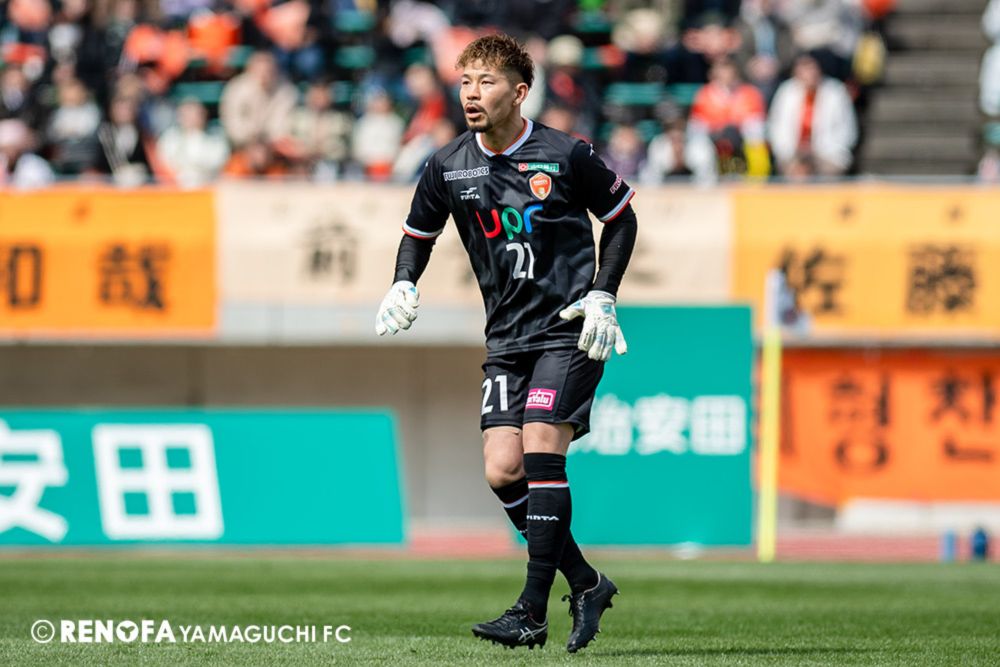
x=522, y=93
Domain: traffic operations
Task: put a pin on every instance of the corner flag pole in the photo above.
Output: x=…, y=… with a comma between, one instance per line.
x=770, y=420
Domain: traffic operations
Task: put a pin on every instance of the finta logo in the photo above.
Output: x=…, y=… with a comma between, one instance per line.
x=509, y=220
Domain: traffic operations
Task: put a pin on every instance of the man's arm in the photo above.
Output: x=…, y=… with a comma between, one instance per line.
x=428, y=213
x=412, y=258
x=607, y=196
x=617, y=242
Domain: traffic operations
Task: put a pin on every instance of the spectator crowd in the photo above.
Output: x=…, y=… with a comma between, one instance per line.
x=190, y=91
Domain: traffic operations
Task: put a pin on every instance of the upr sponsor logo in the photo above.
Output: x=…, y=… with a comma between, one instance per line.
x=541, y=399
x=509, y=220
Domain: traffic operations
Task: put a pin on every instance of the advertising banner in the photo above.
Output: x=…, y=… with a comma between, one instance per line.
x=908, y=425
x=311, y=244
x=301, y=244
x=875, y=260
x=668, y=457
x=683, y=253
x=210, y=477
x=77, y=262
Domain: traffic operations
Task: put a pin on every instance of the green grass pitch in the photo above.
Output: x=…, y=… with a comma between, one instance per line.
x=419, y=612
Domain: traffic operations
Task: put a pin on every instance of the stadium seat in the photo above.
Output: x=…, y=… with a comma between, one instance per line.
x=991, y=134
x=355, y=57
x=592, y=22
x=354, y=21
x=634, y=94
x=683, y=93
x=207, y=92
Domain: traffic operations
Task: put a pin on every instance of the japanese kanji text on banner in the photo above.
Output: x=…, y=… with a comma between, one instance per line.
x=670, y=433
x=886, y=260
x=80, y=262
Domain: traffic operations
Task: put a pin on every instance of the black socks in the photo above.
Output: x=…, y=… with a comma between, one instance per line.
x=549, y=513
x=576, y=569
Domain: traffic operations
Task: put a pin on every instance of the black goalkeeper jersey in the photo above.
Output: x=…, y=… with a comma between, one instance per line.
x=522, y=216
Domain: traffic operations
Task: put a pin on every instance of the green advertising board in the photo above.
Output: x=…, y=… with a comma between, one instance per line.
x=668, y=457
x=79, y=477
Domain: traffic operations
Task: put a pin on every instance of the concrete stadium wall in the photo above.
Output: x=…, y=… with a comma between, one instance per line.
x=435, y=393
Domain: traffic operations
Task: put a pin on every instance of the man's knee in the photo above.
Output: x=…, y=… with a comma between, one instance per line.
x=503, y=456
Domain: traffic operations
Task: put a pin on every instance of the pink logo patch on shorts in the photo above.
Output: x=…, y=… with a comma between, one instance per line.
x=541, y=399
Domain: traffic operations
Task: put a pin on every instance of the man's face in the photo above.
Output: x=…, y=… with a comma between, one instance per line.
x=808, y=73
x=488, y=96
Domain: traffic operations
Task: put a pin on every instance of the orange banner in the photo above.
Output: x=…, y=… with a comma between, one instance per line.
x=914, y=425
x=82, y=262
x=883, y=260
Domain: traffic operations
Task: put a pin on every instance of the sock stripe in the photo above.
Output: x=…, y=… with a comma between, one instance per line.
x=559, y=484
x=515, y=503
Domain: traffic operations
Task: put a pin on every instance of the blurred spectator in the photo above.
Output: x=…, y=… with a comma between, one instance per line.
x=643, y=35
x=426, y=93
x=165, y=53
x=674, y=154
x=193, y=155
x=625, y=153
x=378, y=135
x=123, y=18
x=989, y=72
x=256, y=160
x=123, y=145
x=411, y=22
x=258, y=103
x=732, y=115
x=27, y=23
x=766, y=46
x=74, y=38
x=812, y=126
x=988, y=170
x=415, y=153
x=321, y=134
x=72, y=129
x=156, y=113
x=727, y=10
x=212, y=35
x=175, y=13
x=546, y=18
x=568, y=86
x=17, y=97
x=535, y=101
x=295, y=38
x=830, y=29
x=19, y=167
x=709, y=40
x=562, y=119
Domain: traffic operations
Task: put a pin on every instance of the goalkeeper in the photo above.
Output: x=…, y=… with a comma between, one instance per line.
x=519, y=193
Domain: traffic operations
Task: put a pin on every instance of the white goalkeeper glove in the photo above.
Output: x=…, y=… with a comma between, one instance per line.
x=398, y=309
x=600, y=325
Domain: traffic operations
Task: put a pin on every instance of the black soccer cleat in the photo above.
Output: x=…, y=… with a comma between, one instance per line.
x=514, y=628
x=586, y=608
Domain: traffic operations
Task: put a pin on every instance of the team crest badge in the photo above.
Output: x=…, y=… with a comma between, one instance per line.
x=541, y=185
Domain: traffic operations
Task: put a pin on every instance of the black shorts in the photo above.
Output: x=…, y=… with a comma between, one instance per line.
x=549, y=386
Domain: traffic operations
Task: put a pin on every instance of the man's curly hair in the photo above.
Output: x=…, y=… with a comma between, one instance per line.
x=502, y=52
